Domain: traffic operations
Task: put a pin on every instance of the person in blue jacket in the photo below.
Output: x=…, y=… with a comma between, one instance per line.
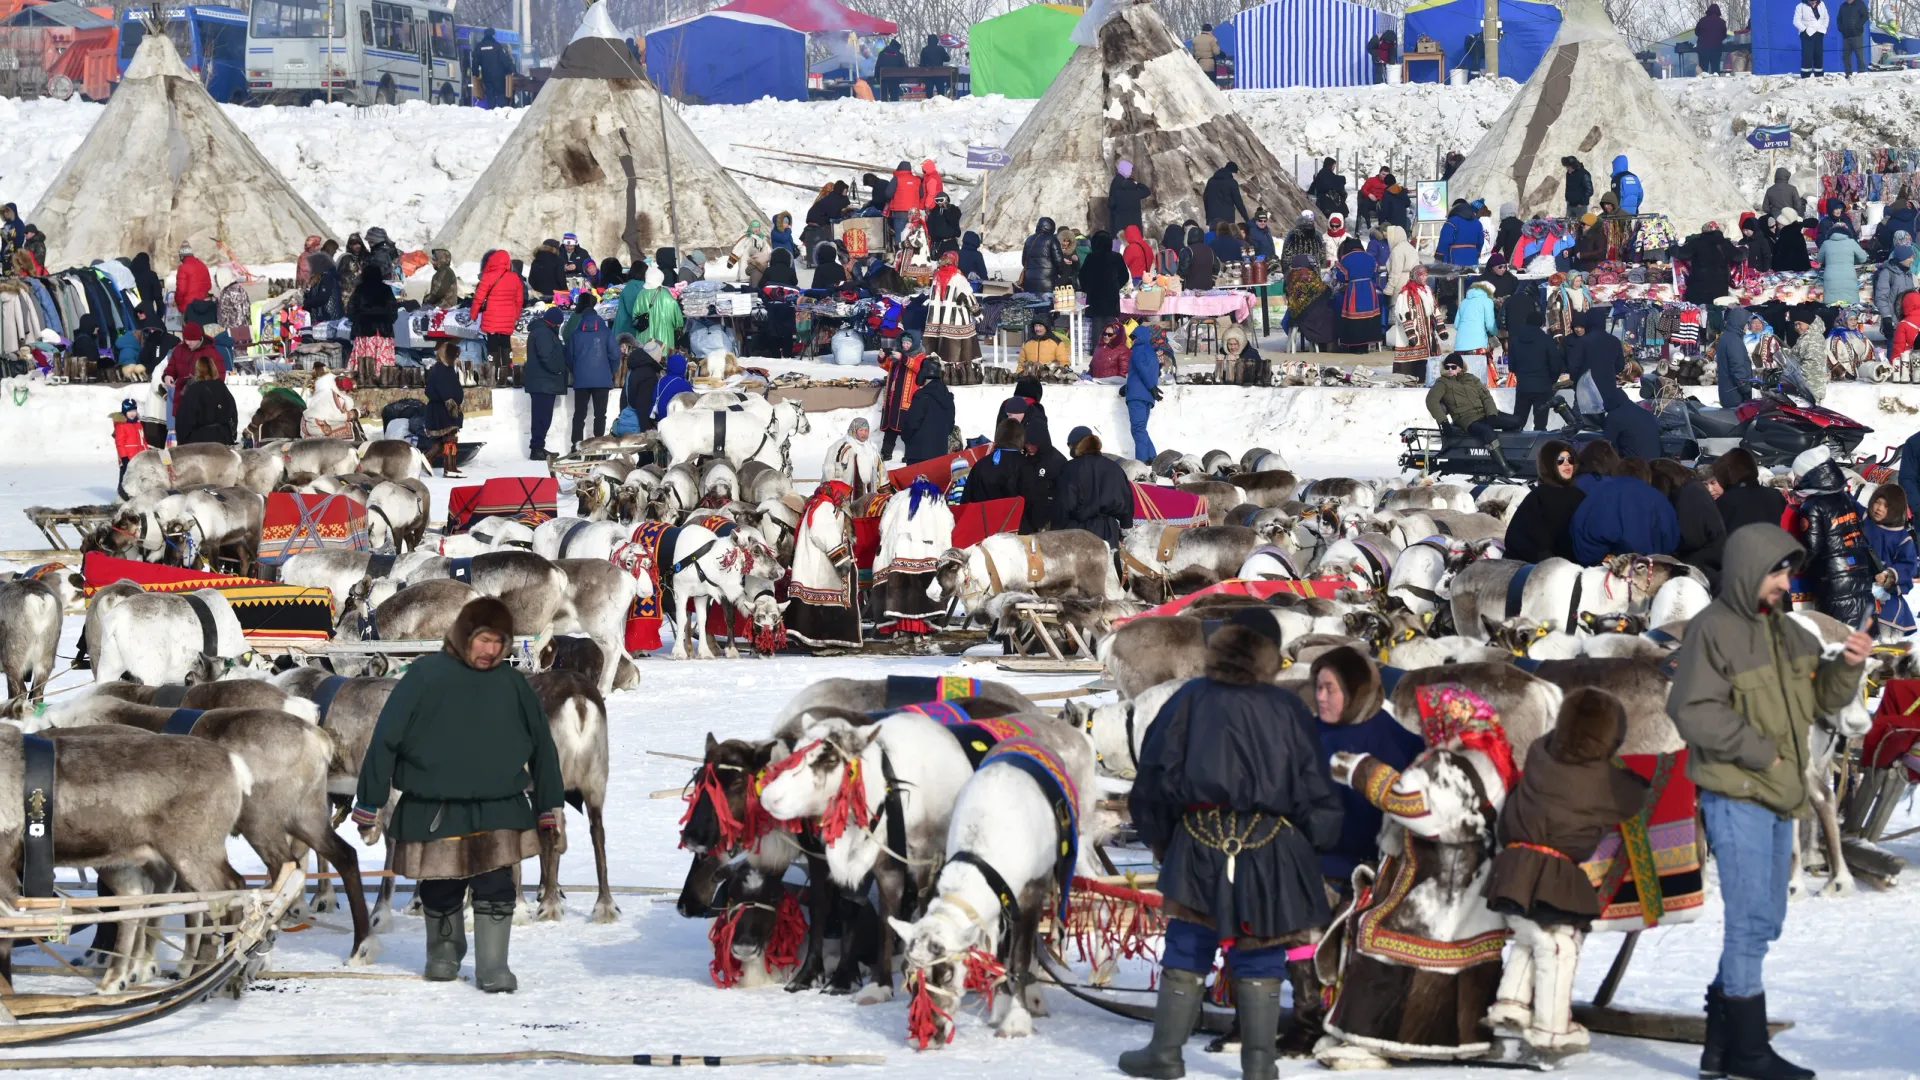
x=673, y=382
x=1623, y=514
x=1461, y=236
x=1474, y=324
x=1628, y=185
x=1892, y=543
x=590, y=359
x=1142, y=389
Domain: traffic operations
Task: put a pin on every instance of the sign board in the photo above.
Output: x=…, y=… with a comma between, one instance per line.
x=1430, y=200
x=1770, y=137
x=988, y=157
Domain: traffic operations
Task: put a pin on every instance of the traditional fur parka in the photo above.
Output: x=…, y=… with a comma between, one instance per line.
x=1232, y=754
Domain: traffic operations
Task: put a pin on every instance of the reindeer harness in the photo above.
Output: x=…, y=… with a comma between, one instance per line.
x=37, y=788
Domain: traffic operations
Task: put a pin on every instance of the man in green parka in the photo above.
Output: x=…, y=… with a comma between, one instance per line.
x=463, y=738
x=1749, y=685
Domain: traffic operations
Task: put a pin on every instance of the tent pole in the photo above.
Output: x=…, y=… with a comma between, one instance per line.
x=1490, y=33
x=666, y=155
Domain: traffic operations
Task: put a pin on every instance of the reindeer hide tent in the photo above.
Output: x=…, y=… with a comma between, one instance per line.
x=1135, y=96
x=164, y=166
x=1590, y=99
x=587, y=158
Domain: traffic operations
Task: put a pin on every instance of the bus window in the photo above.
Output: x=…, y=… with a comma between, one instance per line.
x=441, y=25
x=223, y=42
x=366, y=28
x=392, y=28
x=297, y=19
x=132, y=32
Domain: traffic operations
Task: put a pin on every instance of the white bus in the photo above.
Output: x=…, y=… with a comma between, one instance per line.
x=357, y=51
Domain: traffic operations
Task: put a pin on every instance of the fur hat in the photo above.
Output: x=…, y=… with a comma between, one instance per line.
x=1359, y=679
x=1591, y=726
x=1246, y=650
x=484, y=613
x=1895, y=497
x=1545, y=458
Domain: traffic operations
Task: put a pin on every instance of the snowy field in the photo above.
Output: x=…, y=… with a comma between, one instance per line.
x=406, y=167
x=641, y=985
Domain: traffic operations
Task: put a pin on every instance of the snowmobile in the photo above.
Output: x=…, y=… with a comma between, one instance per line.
x=1775, y=429
x=1454, y=452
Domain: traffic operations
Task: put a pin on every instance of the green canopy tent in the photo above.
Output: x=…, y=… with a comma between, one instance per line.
x=1018, y=54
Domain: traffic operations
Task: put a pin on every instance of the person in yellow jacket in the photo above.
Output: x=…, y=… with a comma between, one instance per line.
x=1043, y=349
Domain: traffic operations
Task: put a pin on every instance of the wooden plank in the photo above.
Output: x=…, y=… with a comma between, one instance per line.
x=1659, y=1026
x=1047, y=666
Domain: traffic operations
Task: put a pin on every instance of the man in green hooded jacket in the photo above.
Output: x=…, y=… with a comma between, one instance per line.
x=1749, y=684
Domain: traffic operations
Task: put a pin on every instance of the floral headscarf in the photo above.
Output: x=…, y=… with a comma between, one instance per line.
x=1453, y=716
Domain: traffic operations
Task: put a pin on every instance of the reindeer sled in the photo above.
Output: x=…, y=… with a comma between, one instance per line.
x=39, y=1018
x=274, y=619
x=530, y=499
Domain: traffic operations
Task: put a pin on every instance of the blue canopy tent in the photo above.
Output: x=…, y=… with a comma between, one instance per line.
x=1527, y=29
x=1302, y=43
x=726, y=58
x=1776, y=44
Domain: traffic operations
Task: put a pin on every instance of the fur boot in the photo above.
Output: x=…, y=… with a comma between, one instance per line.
x=1556, y=956
x=1308, y=1015
x=1512, y=1011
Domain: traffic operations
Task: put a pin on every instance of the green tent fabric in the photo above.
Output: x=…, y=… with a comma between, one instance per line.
x=1018, y=54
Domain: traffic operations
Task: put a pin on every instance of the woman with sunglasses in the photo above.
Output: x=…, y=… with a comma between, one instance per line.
x=1540, y=528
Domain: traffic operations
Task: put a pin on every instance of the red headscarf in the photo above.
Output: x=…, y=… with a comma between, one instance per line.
x=1450, y=713
x=836, y=492
x=949, y=269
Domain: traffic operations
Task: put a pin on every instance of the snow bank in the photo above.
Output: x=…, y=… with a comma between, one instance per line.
x=1324, y=430
x=406, y=167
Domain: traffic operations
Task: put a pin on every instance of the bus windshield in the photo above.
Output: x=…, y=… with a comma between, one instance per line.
x=133, y=31
x=297, y=19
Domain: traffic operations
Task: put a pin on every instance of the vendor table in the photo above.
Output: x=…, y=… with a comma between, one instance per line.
x=1238, y=304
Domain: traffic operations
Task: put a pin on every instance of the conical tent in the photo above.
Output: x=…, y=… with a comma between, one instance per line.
x=1591, y=100
x=1139, y=97
x=591, y=157
x=163, y=166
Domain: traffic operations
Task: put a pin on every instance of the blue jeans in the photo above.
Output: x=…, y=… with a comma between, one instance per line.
x=1137, y=413
x=1754, y=849
x=1191, y=947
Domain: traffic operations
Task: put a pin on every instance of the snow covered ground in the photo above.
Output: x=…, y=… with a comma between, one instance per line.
x=406, y=167
x=641, y=985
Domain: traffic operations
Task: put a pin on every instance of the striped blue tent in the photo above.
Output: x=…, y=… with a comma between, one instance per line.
x=1304, y=43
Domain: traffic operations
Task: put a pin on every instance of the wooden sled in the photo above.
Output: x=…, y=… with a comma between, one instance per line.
x=50, y=520
x=46, y=1018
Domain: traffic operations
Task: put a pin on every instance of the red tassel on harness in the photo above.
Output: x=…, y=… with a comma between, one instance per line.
x=984, y=973
x=724, y=967
x=789, y=930
x=770, y=641
x=920, y=1013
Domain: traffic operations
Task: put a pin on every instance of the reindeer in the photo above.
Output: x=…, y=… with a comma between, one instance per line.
x=577, y=715
x=393, y=459
x=1151, y=650
x=1071, y=562
x=30, y=615
x=152, y=471
x=847, y=772
x=702, y=568
x=288, y=759
x=160, y=638
x=125, y=800
x=322, y=457
x=1119, y=728
x=397, y=513
x=739, y=436
x=1005, y=819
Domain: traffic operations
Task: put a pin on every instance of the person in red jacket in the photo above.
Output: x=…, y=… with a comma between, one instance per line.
x=193, y=345
x=129, y=436
x=191, y=282
x=904, y=199
x=931, y=185
x=497, y=301
x=1906, y=335
x=1138, y=253
x=1372, y=190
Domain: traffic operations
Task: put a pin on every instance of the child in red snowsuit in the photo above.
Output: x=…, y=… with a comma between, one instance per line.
x=129, y=437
